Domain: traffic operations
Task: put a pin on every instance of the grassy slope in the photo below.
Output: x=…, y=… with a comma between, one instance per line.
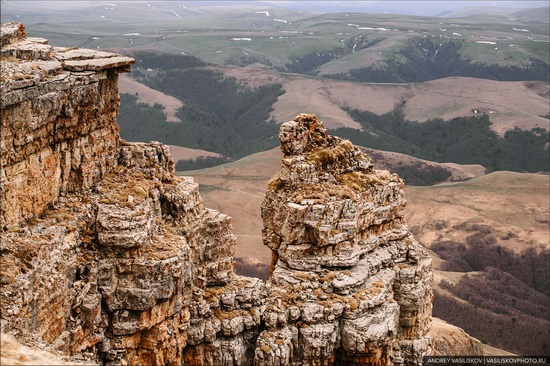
x=150, y=96
x=514, y=205
x=277, y=43
x=505, y=201
x=238, y=189
x=509, y=104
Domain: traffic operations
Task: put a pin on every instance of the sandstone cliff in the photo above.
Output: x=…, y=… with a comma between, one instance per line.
x=59, y=131
x=107, y=255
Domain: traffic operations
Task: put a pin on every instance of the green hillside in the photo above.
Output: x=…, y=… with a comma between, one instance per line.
x=219, y=115
x=354, y=46
x=223, y=116
x=463, y=140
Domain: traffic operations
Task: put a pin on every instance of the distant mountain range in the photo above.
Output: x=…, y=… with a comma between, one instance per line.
x=529, y=14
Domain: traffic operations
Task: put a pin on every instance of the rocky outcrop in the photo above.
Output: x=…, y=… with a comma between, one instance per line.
x=59, y=132
x=16, y=354
x=108, y=256
x=351, y=285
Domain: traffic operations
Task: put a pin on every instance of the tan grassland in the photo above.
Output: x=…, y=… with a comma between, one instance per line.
x=185, y=153
x=508, y=103
x=146, y=95
x=441, y=328
x=459, y=172
x=515, y=205
x=171, y=105
x=238, y=189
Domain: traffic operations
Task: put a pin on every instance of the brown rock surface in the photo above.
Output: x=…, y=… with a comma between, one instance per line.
x=107, y=255
x=357, y=282
x=59, y=131
x=16, y=354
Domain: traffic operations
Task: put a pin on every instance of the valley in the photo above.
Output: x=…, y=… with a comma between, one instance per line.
x=482, y=128
x=151, y=97
x=445, y=211
x=456, y=104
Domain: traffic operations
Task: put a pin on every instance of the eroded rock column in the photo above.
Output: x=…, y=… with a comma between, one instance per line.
x=351, y=286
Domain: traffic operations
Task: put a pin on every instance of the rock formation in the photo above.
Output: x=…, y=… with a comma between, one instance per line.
x=108, y=256
x=16, y=354
x=350, y=283
x=59, y=131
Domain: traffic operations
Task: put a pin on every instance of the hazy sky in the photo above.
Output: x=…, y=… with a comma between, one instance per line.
x=403, y=7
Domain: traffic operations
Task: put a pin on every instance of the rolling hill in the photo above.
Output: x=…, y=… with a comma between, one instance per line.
x=355, y=46
x=509, y=104
x=514, y=205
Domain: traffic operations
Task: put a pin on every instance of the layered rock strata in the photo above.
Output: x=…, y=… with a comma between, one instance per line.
x=108, y=256
x=351, y=286
x=59, y=132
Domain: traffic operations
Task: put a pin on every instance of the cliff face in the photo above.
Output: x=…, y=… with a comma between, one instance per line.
x=107, y=255
x=59, y=131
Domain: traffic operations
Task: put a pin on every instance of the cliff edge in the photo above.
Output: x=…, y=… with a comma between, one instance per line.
x=59, y=132
x=108, y=257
